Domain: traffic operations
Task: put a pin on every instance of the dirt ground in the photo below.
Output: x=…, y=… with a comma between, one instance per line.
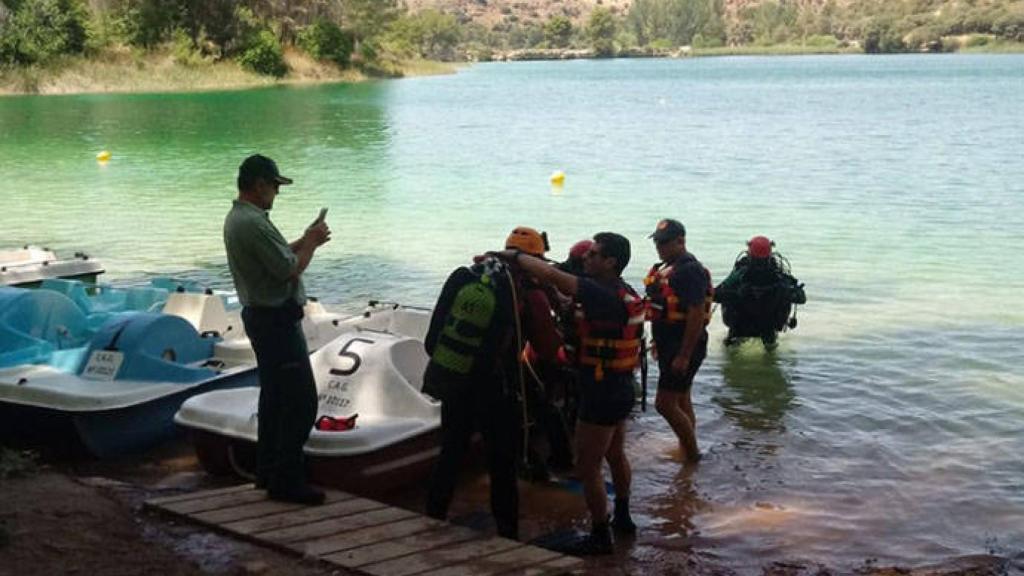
x=86, y=517
x=70, y=515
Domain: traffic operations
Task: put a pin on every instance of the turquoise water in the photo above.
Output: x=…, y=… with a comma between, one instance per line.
x=889, y=425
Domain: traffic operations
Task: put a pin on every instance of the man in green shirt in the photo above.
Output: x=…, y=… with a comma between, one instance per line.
x=267, y=271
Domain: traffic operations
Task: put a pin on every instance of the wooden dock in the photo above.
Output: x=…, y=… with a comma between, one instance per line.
x=363, y=535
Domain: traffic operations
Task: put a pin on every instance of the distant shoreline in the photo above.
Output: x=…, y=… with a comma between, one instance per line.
x=127, y=72
x=543, y=54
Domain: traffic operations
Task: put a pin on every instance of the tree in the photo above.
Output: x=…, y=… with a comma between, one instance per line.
x=369, y=19
x=601, y=31
x=558, y=31
x=324, y=40
x=428, y=34
x=675, y=21
x=42, y=29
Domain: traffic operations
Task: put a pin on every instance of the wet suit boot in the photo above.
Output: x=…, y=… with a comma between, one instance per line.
x=621, y=520
x=770, y=341
x=597, y=543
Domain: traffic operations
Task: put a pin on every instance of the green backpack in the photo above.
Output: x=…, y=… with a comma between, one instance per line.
x=467, y=339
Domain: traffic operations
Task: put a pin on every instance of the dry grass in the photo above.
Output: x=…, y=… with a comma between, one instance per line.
x=126, y=70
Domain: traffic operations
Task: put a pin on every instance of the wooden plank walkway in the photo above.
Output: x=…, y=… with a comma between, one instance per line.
x=363, y=535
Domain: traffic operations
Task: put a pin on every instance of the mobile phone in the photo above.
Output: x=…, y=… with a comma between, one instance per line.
x=323, y=214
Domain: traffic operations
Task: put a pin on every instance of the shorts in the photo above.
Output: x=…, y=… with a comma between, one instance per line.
x=672, y=382
x=606, y=403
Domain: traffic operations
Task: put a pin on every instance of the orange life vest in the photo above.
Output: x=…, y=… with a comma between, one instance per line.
x=612, y=346
x=663, y=302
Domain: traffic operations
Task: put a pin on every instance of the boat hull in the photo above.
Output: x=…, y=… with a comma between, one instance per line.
x=106, y=433
x=396, y=466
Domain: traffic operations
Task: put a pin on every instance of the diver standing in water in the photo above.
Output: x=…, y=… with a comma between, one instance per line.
x=609, y=323
x=760, y=295
x=679, y=297
x=474, y=344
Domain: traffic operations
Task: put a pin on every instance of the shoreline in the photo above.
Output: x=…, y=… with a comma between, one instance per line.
x=93, y=510
x=128, y=72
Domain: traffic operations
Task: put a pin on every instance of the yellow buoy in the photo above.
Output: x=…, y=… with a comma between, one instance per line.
x=103, y=156
x=558, y=178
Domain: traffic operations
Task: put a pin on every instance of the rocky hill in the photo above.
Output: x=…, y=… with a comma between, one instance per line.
x=490, y=12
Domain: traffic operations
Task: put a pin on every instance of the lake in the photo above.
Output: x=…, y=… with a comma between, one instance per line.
x=889, y=425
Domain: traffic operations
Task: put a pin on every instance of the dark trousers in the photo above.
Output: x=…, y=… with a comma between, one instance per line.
x=491, y=413
x=288, y=397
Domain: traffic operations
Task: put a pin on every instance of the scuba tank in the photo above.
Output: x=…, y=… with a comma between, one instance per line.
x=469, y=333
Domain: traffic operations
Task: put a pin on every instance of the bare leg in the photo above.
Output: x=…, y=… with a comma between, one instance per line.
x=592, y=443
x=622, y=474
x=686, y=404
x=671, y=406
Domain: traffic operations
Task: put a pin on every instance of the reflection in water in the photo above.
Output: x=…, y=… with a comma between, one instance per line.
x=672, y=510
x=757, y=394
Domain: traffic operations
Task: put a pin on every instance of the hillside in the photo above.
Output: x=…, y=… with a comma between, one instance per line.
x=490, y=12
x=874, y=26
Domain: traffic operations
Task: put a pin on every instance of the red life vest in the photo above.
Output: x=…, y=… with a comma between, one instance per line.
x=663, y=302
x=612, y=346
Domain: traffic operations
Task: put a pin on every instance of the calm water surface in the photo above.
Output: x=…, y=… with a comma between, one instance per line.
x=889, y=425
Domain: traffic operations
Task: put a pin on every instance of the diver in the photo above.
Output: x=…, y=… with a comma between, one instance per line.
x=556, y=384
x=760, y=296
x=482, y=318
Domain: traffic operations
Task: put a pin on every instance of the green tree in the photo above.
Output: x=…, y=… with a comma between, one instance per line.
x=369, y=19
x=558, y=31
x=1010, y=25
x=427, y=34
x=675, y=21
x=881, y=37
x=325, y=40
x=601, y=31
x=264, y=55
x=41, y=29
x=772, y=22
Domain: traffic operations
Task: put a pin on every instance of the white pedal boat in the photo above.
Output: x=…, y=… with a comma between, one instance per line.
x=30, y=265
x=376, y=371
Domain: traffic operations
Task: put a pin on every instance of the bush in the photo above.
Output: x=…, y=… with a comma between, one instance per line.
x=977, y=40
x=661, y=44
x=324, y=40
x=184, y=52
x=42, y=29
x=427, y=34
x=712, y=41
x=880, y=38
x=1010, y=26
x=924, y=38
x=601, y=29
x=558, y=31
x=264, y=56
x=143, y=23
x=821, y=41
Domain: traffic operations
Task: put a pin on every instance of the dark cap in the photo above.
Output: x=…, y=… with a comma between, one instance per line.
x=259, y=167
x=668, y=229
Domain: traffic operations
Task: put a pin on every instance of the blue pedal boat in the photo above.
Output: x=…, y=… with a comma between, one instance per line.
x=112, y=388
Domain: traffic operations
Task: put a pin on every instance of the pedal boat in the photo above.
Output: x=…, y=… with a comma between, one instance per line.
x=373, y=372
x=110, y=380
